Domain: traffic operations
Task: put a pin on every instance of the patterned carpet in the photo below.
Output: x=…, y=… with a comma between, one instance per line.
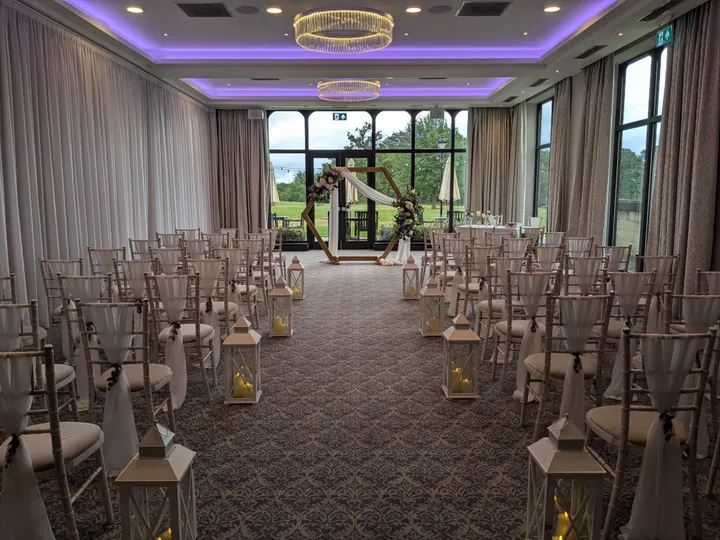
x=353, y=437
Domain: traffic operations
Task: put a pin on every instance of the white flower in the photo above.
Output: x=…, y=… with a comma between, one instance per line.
x=409, y=206
x=408, y=222
x=321, y=182
x=330, y=180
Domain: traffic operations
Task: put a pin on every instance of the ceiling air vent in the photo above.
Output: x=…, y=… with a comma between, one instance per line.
x=590, y=52
x=264, y=79
x=662, y=10
x=511, y=98
x=432, y=78
x=439, y=10
x=247, y=10
x=537, y=83
x=482, y=9
x=194, y=10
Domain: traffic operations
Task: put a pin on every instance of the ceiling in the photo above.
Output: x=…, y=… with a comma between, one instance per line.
x=443, y=60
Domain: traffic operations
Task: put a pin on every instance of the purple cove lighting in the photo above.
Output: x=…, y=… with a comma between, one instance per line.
x=160, y=54
x=215, y=92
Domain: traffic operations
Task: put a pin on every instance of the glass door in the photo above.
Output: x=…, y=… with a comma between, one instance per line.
x=358, y=218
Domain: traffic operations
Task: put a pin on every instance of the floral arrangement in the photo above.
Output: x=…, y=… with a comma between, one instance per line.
x=324, y=185
x=406, y=219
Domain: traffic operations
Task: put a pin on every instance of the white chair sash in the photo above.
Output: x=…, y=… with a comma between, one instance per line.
x=700, y=313
x=531, y=289
x=114, y=326
x=579, y=315
x=629, y=289
x=218, y=240
x=546, y=257
x=616, y=256
x=657, y=510
x=173, y=295
x=662, y=267
x=22, y=511
x=713, y=283
x=87, y=290
x=169, y=258
x=554, y=239
x=10, y=329
x=516, y=247
x=104, y=262
x=64, y=268
x=195, y=248
x=578, y=247
x=209, y=272
x=142, y=249
x=585, y=273
x=170, y=240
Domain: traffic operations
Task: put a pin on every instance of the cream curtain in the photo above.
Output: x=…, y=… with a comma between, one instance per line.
x=493, y=160
x=92, y=150
x=560, y=174
x=683, y=215
x=243, y=164
x=588, y=190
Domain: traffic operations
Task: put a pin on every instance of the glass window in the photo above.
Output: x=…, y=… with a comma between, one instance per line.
x=542, y=159
x=289, y=170
x=636, y=91
x=545, y=123
x=286, y=130
x=637, y=133
x=398, y=165
x=431, y=133
x=393, y=130
x=461, y=125
x=429, y=171
x=328, y=134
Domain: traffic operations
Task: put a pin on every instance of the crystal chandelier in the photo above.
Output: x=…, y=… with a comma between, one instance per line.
x=348, y=90
x=343, y=31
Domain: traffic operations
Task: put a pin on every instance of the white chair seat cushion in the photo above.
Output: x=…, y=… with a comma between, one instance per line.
x=58, y=310
x=637, y=361
x=77, y=439
x=188, y=332
x=63, y=374
x=607, y=420
x=27, y=339
x=518, y=327
x=252, y=289
x=220, y=308
x=474, y=288
x=159, y=374
x=677, y=328
x=614, y=330
x=497, y=305
x=559, y=363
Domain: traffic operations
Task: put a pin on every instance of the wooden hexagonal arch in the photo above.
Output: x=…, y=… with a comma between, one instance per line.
x=338, y=258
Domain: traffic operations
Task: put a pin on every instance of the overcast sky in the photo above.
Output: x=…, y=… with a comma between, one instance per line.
x=286, y=130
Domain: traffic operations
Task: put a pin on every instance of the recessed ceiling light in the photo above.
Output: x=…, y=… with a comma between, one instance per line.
x=228, y=84
x=525, y=33
x=287, y=34
x=274, y=10
x=134, y=9
x=387, y=84
x=467, y=84
x=557, y=71
x=389, y=78
x=522, y=92
x=551, y=7
x=620, y=33
x=413, y=9
x=407, y=34
x=165, y=34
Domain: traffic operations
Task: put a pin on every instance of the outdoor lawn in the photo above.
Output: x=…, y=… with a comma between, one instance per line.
x=386, y=214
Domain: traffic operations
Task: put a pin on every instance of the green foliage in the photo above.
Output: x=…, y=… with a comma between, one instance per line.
x=295, y=190
x=293, y=234
x=632, y=168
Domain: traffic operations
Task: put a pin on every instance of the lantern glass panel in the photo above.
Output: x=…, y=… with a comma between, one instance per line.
x=243, y=374
x=296, y=282
x=281, y=310
x=410, y=283
x=431, y=314
x=153, y=514
x=461, y=368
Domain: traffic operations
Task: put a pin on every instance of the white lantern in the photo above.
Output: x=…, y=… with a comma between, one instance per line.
x=461, y=347
x=565, y=487
x=242, y=364
x=296, y=279
x=411, y=280
x=157, y=490
x=281, y=310
x=432, y=309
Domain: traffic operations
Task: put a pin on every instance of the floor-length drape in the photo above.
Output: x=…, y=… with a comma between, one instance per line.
x=560, y=174
x=589, y=186
x=683, y=217
x=494, y=135
x=242, y=186
x=92, y=150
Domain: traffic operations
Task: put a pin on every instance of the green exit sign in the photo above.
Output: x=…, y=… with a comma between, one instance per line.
x=664, y=37
x=339, y=116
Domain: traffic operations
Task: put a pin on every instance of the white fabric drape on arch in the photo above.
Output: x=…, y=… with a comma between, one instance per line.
x=657, y=510
x=403, y=251
x=22, y=511
x=114, y=327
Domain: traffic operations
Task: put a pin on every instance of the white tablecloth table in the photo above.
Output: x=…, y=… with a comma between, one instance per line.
x=465, y=230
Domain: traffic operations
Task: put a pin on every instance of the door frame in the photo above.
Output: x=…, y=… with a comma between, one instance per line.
x=340, y=157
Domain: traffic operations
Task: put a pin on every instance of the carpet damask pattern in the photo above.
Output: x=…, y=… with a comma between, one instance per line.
x=353, y=437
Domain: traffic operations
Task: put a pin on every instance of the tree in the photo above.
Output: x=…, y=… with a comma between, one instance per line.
x=631, y=180
x=295, y=190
